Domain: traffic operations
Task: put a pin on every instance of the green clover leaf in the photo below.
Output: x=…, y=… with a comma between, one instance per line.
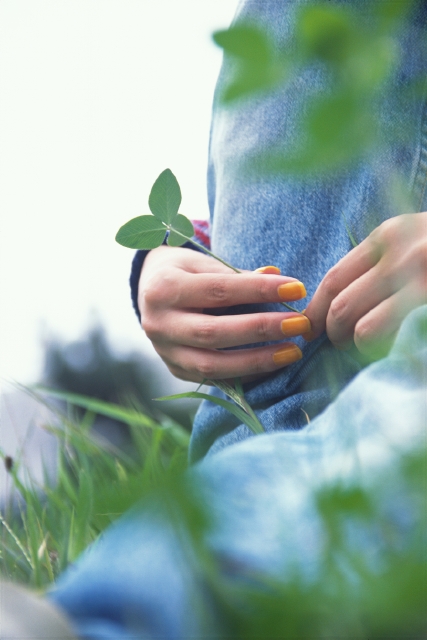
x=185, y=230
x=165, y=197
x=143, y=232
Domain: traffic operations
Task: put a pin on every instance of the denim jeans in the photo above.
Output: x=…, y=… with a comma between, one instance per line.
x=298, y=225
x=137, y=580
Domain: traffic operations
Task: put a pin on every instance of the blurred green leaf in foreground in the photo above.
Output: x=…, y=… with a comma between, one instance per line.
x=353, y=49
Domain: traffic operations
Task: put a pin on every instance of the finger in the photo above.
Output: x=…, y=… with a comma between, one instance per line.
x=201, y=364
x=374, y=333
x=352, y=266
x=222, y=290
x=219, y=332
x=355, y=301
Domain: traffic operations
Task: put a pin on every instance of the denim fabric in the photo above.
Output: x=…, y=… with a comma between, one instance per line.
x=298, y=225
x=140, y=580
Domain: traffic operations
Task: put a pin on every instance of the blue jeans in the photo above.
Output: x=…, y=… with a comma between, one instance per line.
x=298, y=225
x=139, y=579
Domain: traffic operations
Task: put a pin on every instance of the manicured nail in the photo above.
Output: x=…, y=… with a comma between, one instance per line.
x=287, y=354
x=295, y=326
x=292, y=291
x=268, y=269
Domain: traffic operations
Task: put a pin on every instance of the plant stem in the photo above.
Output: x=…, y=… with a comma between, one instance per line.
x=202, y=248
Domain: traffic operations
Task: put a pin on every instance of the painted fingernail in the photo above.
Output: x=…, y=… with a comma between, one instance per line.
x=295, y=326
x=287, y=354
x=268, y=269
x=292, y=291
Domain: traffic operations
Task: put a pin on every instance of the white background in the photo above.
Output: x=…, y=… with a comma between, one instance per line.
x=97, y=97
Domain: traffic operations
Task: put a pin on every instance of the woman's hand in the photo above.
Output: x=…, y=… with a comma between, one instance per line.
x=177, y=289
x=366, y=295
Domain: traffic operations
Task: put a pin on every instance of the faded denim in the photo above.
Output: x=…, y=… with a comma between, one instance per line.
x=298, y=225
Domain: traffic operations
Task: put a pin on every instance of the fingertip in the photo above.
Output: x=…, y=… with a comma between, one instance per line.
x=292, y=291
x=288, y=354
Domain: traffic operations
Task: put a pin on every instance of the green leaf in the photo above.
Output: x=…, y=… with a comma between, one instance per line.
x=350, y=235
x=327, y=32
x=229, y=391
x=238, y=396
x=165, y=197
x=244, y=41
x=184, y=226
x=143, y=232
x=129, y=416
x=257, y=68
x=239, y=413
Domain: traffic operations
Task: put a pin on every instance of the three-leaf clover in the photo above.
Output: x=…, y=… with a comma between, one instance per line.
x=148, y=232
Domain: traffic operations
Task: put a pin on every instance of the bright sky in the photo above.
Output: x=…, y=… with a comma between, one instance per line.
x=97, y=98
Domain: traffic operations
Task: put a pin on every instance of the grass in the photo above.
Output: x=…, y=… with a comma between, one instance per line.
x=52, y=523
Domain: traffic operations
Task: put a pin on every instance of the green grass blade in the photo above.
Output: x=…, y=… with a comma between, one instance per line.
x=129, y=416
x=237, y=411
x=350, y=235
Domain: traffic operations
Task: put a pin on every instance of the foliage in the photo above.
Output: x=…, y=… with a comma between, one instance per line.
x=350, y=596
x=240, y=408
x=149, y=232
x=50, y=525
x=352, y=48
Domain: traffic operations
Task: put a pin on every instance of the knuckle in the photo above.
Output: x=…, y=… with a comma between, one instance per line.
x=258, y=364
x=331, y=283
x=262, y=329
x=218, y=290
x=339, y=310
x=264, y=289
x=206, y=367
x=387, y=232
x=206, y=333
x=150, y=327
x=159, y=288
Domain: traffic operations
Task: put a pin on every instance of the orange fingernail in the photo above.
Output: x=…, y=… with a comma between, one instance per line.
x=295, y=326
x=287, y=354
x=292, y=291
x=268, y=269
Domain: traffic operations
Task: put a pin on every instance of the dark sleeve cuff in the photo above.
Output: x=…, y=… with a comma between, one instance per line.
x=201, y=235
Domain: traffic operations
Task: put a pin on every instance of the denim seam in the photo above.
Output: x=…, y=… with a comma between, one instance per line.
x=420, y=180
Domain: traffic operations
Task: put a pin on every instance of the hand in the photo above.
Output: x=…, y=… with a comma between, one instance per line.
x=365, y=297
x=179, y=286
